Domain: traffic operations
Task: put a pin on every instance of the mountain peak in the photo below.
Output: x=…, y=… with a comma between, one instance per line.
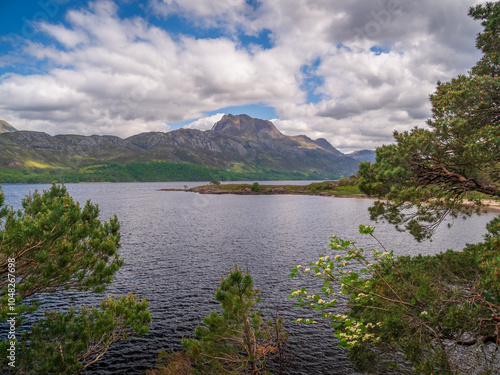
x=5, y=127
x=364, y=155
x=247, y=127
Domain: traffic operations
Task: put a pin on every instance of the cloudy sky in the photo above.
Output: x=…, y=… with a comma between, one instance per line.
x=348, y=71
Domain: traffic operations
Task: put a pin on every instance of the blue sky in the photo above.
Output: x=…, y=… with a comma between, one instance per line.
x=351, y=72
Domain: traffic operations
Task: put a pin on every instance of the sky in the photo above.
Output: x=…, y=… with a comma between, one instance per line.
x=352, y=71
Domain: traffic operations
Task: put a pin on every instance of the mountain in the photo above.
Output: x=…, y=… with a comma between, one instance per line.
x=5, y=127
x=241, y=145
x=363, y=155
x=244, y=126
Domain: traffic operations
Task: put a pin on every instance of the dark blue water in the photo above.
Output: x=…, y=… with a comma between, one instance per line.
x=177, y=244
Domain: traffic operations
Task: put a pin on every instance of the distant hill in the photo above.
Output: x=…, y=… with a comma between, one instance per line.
x=5, y=127
x=363, y=155
x=240, y=145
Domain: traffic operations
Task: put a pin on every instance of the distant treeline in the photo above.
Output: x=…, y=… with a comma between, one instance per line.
x=159, y=171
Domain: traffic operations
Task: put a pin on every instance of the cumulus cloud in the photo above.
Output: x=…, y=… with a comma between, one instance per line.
x=205, y=123
x=206, y=13
x=351, y=72
x=66, y=37
x=382, y=62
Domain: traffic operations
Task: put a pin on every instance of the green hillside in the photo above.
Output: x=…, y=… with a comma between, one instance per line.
x=146, y=172
x=237, y=148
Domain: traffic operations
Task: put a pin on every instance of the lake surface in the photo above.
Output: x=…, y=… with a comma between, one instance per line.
x=176, y=245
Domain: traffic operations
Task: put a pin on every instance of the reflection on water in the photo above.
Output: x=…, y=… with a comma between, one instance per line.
x=177, y=244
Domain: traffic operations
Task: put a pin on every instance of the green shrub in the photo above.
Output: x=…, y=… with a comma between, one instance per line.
x=256, y=187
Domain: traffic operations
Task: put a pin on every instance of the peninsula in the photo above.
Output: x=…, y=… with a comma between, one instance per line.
x=342, y=188
x=345, y=188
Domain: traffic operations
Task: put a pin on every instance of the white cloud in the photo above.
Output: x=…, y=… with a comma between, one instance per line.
x=205, y=123
x=214, y=13
x=124, y=76
x=67, y=38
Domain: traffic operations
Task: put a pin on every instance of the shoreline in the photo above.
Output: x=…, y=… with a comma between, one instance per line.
x=245, y=189
x=346, y=188
x=225, y=192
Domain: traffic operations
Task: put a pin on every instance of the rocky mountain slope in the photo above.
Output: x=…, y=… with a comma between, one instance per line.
x=236, y=143
x=363, y=155
x=5, y=127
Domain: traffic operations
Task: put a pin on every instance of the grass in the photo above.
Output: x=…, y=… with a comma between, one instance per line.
x=346, y=187
x=239, y=168
x=477, y=195
x=36, y=164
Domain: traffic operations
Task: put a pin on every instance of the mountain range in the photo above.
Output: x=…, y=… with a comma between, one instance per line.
x=363, y=155
x=239, y=145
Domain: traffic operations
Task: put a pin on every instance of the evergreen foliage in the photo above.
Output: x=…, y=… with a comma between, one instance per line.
x=69, y=343
x=237, y=341
x=256, y=187
x=426, y=314
x=54, y=245
x=429, y=173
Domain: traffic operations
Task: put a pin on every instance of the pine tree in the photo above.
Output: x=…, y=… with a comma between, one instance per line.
x=429, y=173
x=236, y=341
x=54, y=245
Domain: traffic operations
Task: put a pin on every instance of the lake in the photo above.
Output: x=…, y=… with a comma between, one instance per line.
x=176, y=245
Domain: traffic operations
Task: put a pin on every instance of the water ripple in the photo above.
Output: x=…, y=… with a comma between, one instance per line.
x=176, y=245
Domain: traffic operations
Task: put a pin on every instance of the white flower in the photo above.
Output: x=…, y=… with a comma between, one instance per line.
x=423, y=313
x=299, y=267
x=321, y=301
x=307, y=270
